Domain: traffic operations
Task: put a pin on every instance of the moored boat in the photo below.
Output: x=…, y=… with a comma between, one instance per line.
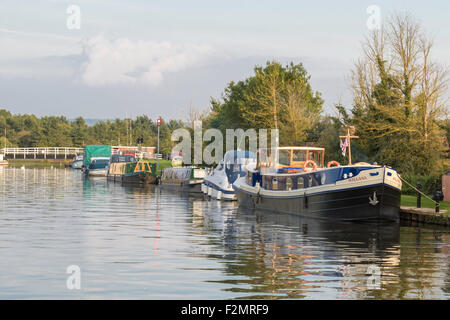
x=96, y=160
x=117, y=166
x=141, y=172
x=77, y=162
x=177, y=161
x=294, y=180
x=3, y=161
x=98, y=167
x=188, y=179
x=218, y=182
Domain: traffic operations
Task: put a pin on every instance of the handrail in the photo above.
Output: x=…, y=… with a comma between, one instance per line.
x=61, y=150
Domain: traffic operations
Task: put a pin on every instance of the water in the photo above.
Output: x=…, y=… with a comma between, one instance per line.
x=135, y=243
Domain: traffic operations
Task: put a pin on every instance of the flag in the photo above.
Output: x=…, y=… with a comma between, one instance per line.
x=344, y=146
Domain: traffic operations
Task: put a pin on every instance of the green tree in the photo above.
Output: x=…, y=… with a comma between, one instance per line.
x=399, y=98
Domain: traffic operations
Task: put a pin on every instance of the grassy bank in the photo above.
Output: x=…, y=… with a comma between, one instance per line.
x=162, y=164
x=411, y=201
x=38, y=163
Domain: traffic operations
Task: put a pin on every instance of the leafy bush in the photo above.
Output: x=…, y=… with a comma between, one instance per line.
x=429, y=183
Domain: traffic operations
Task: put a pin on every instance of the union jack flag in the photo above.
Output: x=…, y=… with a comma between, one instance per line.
x=344, y=146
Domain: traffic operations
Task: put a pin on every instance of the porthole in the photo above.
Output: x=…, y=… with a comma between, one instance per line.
x=300, y=183
x=274, y=184
x=289, y=184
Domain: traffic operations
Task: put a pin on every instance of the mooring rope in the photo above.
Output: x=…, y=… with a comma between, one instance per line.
x=417, y=189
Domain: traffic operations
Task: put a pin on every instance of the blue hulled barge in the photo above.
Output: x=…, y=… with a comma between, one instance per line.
x=300, y=184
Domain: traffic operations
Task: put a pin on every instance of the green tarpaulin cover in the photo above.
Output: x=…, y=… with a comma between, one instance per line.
x=97, y=150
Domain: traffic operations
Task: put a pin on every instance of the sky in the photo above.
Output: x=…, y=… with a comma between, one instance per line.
x=123, y=58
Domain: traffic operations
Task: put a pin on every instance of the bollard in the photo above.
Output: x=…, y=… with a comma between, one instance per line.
x=419, y=195
x=438, y=196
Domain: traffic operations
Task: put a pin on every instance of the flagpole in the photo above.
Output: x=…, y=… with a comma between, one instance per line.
x=349, y=148
x=349, y=138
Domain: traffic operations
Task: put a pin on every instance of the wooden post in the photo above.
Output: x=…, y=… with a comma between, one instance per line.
x=349, y=137
x=419, y=200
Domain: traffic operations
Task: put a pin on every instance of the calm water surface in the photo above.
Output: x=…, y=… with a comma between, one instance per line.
x=156, y=244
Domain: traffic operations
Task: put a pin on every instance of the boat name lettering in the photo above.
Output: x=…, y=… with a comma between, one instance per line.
x=357, y=179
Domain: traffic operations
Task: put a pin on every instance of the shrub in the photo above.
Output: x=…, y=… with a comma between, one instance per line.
x=429, y=183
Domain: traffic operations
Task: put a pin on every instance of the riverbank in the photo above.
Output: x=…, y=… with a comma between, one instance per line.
x=39, y=163
x=424, y=215
x=162, y=165
x=411, y=201
x=61, y=163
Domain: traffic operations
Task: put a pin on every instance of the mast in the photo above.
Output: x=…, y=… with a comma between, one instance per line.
x=349, y=137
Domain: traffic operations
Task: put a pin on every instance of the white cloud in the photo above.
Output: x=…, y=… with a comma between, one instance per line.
x=123, y=61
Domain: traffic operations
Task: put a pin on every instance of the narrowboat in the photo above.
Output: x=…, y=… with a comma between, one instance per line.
x=294, y=180
x=187, y=179
x=117, y=166
x=141, y=172
x=219, y=180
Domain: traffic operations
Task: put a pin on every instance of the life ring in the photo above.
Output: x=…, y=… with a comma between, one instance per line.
x=306, y=168
x=329, y=164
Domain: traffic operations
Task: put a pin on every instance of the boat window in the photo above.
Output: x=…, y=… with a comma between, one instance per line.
x=274, y=184
x=284, y=157
x=299, y=155
x=98, y=164
x=288, y=183
x=316, y=156
x=300, y=183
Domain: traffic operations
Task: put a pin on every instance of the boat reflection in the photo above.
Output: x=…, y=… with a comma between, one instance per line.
x=269, y=255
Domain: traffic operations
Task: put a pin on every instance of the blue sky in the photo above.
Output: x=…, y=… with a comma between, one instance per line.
x=156, y=57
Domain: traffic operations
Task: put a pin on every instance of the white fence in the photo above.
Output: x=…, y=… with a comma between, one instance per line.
x=41, y=152
x=69, y=152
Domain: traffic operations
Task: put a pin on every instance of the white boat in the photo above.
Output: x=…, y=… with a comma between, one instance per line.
x=177, y=161
x=98, y=167
x=3, y=162
x=77, y=162
x=218, y=183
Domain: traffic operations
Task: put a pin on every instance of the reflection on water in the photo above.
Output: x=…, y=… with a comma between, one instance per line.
x=153, y=243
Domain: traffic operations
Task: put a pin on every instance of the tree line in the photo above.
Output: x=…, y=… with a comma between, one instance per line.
x=57, y=131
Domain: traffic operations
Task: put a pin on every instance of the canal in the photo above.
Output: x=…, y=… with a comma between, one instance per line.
x=152, y=243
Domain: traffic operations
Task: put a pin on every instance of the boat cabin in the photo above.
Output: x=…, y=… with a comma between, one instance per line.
x=98, y=163
x=292, y=159
x=117, y=158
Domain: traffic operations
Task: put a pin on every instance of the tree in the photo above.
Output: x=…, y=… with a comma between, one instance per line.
x=275, y=97
x=399, y=97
